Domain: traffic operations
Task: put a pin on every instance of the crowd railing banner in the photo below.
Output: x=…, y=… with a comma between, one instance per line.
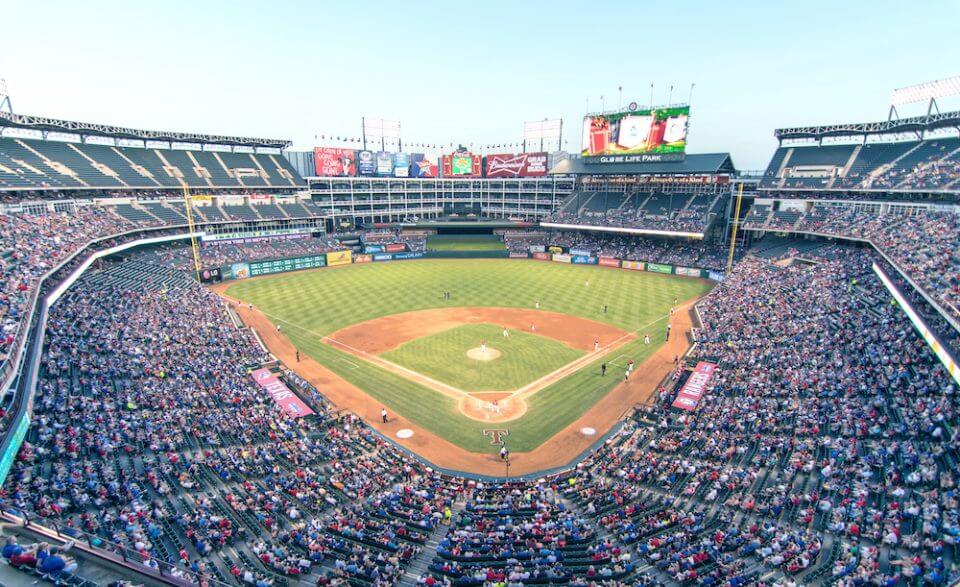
x=696, y=385
x=288, y=401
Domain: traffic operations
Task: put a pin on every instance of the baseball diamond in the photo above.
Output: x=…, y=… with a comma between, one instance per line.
x=406, y=343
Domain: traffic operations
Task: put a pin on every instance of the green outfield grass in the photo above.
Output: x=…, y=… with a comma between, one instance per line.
x=523, y=357
x=311, y=304
x=480, y=242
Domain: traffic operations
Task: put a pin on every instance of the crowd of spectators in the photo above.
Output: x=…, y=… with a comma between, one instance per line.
x=678, y=221
x=671, y=251
x=924, y=244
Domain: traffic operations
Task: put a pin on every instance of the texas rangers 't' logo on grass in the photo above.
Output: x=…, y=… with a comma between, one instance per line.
x=496, y=435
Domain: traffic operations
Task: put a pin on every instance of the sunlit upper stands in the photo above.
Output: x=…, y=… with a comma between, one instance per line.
x=40, y=154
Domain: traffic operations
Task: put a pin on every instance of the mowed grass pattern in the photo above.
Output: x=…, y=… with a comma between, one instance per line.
x=523, y=357
x=465, y=243
x=312, y=304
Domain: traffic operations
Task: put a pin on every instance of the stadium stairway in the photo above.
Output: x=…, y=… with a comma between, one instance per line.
x=421, y=565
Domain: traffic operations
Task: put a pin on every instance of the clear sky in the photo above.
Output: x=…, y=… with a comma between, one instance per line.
x=469, y=71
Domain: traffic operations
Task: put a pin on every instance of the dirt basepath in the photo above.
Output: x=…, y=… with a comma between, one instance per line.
x=388, y=332
x=557, y=451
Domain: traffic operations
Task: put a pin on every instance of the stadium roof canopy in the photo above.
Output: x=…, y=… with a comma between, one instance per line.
x=914, y=124
x=44, y=124
x=692, y=164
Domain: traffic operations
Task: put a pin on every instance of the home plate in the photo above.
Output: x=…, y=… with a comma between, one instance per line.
x=588, y=431
x=404, y=433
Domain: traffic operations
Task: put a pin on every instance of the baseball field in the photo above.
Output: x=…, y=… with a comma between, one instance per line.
x=458, y=348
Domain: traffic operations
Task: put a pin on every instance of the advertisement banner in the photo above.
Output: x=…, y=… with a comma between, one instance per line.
x=288, y=401
x=260, y=198
x=584, y=260
x=330, y=162
x=520, y=165
x=556, y=249
x=716, y=275
x=537, y=248
x=401, y=165
x=634, y=265
x=609, y=262
x=203, y=200
x=688, y=271
x=366, y=163
x=407, y=255
x=695, y=387
x=422, y=166
x=240, y=270
x=383, y=257
x=361, y=258
x=659, y=268
x=384, y=163
x=210, y=275
x=583, y=252
x=339, y=258
x=559, y=258
x=462, y=164
x=518, y=255
x=372, y=248
x=395, y=247
x=634, y=134
x=542, y=256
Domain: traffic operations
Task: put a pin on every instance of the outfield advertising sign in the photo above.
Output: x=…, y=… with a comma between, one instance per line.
x=283, y=265
x=407, y=255
x=366, y=163
x=688, y=271
x=384, y=163
x=401, y=165
x=361, y=258
x=537, y=248
x=608, y=262
x=372, y=248
x=556, y=249
x=659, y=268
x=240, y=270
x=559, y=258
x=518, y=255
x=339, y=258
x=716, y=275
x=520, y=165
x=383, y=257
x=330, y=162
x=542, y=256
x=581, y=252
x=584, y=260
x=634, y=265
x=395, y=247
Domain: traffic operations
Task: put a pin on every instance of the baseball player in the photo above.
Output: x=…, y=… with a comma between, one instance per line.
x=483, y=346
x=596, y=345
x=506, y=333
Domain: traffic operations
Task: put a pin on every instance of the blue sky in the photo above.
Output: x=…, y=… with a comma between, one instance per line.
x=469, y=72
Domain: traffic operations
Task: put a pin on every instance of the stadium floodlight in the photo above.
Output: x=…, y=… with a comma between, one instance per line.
x=927, y=91
x=5, y=103
x=546, y=130
x=378, y=129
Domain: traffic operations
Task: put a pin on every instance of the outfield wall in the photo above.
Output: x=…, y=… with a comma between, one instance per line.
x=245, y=269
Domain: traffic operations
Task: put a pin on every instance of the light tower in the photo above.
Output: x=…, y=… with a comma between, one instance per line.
x=5, y=104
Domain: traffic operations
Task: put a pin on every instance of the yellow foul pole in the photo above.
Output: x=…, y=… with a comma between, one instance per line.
x=733, y=233
x=188, y=206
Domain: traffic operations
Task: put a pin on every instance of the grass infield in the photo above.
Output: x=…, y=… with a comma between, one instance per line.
x=523, y=357
x=312, y=304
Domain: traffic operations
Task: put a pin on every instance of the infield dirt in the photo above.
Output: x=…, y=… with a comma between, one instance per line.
x=557, y=451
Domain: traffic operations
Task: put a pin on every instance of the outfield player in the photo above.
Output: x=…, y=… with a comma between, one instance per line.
x=506, y=333
x=483, y=346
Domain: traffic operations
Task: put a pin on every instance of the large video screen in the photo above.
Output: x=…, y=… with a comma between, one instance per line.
x=659, y=134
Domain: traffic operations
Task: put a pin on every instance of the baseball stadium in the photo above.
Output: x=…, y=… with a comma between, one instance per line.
x=584, y=351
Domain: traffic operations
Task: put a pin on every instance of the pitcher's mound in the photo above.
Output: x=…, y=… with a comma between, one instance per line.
x=478, y=354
